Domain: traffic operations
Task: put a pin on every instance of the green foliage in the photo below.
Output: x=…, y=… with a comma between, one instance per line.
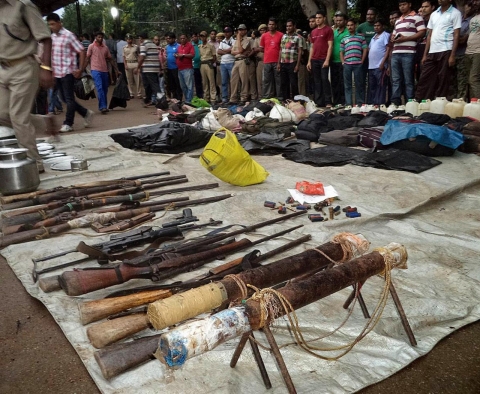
x=93, y=12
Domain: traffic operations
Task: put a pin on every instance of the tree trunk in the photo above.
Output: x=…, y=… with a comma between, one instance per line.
x=310, y=7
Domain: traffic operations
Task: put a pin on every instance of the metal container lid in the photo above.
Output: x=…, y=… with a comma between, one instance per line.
x=13, y=153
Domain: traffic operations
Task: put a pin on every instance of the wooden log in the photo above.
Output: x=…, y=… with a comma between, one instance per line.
x=193, y=339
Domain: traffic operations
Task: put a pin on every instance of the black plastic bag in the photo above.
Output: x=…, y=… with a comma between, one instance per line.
x=165, y=137
x=120, y=94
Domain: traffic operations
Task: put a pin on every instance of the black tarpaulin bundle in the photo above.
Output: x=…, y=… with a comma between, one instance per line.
x=165, y=137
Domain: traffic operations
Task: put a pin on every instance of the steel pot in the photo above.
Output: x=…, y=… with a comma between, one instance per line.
x=18, y=173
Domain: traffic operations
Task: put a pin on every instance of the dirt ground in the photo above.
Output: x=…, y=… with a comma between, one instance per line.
x=35, y=357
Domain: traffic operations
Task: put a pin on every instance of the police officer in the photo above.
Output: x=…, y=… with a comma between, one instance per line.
x=20, y=73
x=241, y=51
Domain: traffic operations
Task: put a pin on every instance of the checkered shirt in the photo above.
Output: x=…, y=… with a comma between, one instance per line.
x=65, y=48
x=289, y=47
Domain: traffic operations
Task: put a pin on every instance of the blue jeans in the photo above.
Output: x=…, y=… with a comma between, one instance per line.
x=65, y=87
x=53, y=100
x=226, y=71
x=102, y=82
x=186, y=83
x=402, y=74
x=359, y=76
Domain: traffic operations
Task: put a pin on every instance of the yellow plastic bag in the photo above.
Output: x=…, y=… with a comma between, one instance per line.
x=227, y=160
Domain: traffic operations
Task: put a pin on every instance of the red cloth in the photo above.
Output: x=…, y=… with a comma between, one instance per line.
x=184, y=62
x=319, y=39
x=271, y=46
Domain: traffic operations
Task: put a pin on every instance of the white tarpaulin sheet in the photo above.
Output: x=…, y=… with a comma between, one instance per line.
x=434, y=214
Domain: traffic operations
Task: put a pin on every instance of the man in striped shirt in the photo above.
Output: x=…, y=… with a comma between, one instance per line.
x=353, y=51
x=408, y=30
x=149, y=64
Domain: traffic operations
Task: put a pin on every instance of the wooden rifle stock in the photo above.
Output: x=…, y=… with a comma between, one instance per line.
x=121, y=357
x=79, y=282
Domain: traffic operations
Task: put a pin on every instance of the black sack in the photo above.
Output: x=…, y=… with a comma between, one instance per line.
x=435, y=119
x=162, y=103
x=374, y=119
x=198, y=115
x=424, y=146
x=165, y=137
x=311, y=128
x=120, y=94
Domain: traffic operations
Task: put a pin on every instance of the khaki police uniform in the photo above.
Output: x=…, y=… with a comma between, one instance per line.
x=240, y=74
x=21, y=28
x=135, y=84
x=207, y=56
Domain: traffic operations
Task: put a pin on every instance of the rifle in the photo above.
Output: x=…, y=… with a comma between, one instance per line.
x=64, y=194
x=109, y=250
x=12, y=224
x=103, y=334
x=84, y=281
x=28, y=196
x=87, y=220
x=193, y=339
x=88, y=201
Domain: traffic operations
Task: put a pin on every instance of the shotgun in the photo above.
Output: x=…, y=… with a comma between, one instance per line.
x=28, y=196
x=84, y=281
x=87, y=220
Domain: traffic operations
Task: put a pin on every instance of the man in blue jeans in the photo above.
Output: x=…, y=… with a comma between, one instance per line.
x=98, y=54
x=409, y=29
x=227, y=62
x=65, y=48
x=353, y=52
x=184, y=55
x=173, y=82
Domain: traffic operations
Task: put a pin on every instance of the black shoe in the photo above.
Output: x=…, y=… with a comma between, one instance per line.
x=241, y=103
x=104, y=111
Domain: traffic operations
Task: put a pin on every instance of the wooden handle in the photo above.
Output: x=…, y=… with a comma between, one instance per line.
x=110, y=331
x=119, y=357
x=49, y=284
x=91, y=311
x=226, y=266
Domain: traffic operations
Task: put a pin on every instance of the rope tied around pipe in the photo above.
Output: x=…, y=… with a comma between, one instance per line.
x=272, y=302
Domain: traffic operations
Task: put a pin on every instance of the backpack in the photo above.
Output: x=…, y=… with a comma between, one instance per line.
x=369, y=137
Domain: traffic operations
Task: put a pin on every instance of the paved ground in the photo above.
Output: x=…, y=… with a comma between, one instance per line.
x=35, y=357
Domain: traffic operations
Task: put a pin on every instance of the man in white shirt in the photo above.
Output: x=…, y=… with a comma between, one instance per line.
x=377, y=64
x=120, y=45
x=439, y=58
x=227, y=62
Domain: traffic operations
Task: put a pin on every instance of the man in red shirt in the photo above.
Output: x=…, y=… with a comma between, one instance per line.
x=98, y=54
x=270, y=46
x=319, y=60
x=184, y=55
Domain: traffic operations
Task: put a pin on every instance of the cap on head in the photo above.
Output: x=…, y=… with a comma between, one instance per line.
x=203, y=33
x=228, y=30
x=262, y=26
x=242, y=27
x=220, y=35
